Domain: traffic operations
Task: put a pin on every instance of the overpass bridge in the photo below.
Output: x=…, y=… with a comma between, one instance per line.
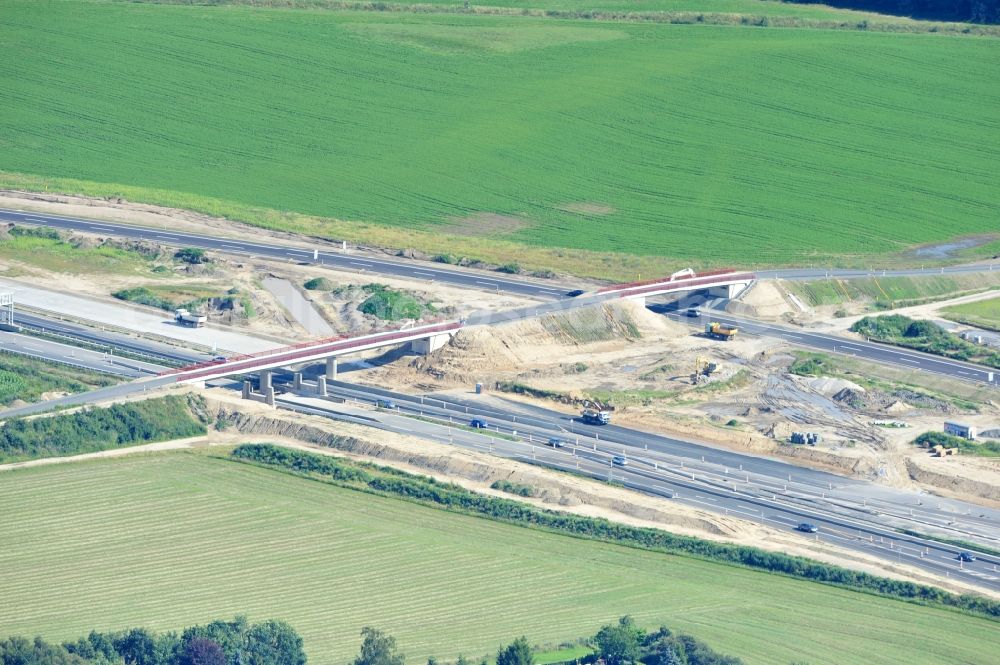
x=423, y=338
x=427, y=338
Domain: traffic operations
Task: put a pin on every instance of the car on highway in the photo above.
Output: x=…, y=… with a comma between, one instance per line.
x=807, y=527
x=693, y=312
x=556, y=442
x=219, y=359
x=574, y=293
x=967, y=557
x=619, y=460
x=385, y=404
x=478, y=423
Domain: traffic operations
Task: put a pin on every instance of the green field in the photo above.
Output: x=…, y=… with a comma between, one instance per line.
x=982, y=313
x=173, y=539
x=500, y=137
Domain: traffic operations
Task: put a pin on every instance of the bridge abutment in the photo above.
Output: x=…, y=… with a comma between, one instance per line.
x=430, y=344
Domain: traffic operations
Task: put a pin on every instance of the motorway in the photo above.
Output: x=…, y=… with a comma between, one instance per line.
x=849, y=513
x=275, y=250
x=75, y=332
x=461, y=277
x=881, y=353
x=98, y=361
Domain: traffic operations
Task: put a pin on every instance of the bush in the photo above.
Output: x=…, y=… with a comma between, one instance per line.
x=35, y=232
x=119, y=425
x=446, y=258
x=510, y=268
x=144, y=296
x=459, y=499
x=193, y=255
x=513, y=488
x=390, y=305
x=319, y=284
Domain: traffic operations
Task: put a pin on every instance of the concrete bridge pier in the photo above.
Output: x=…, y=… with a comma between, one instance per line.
x=331, y=368
x=266, y=394
x=297, y=381
x=430, y=344
x=321, y=386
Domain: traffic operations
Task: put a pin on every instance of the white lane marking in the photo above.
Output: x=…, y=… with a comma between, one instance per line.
x=103, y=228
x=851, y=346
x=360, y=263
x=423, y=272
x=232, y=247
x=166, y=235
x=907, y=360
x=35, y=219
x=479, y=281
x=961, y=372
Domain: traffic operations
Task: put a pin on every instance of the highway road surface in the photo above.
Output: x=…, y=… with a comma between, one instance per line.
x=410, y=269
x=275, y=250
x=75, y=332
x=73, y=356
x=881, y=353
x=856, y=515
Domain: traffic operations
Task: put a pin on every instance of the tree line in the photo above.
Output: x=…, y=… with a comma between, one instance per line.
x=236, y=642
x=392, y=482
x=972, y=11
x=273, y=642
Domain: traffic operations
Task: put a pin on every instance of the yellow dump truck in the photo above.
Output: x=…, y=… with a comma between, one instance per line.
x=716, y=330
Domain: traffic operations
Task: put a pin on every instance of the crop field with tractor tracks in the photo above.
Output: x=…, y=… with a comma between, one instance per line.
x=165, y=540
x=595, y=147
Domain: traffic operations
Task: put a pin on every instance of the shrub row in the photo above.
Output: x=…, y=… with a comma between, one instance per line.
x=90, y=430
x=453, y=497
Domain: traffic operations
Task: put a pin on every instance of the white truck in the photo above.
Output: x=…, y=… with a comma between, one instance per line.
x=186, y=318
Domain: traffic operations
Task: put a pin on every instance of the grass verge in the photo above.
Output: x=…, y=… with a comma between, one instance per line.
x=24, y=378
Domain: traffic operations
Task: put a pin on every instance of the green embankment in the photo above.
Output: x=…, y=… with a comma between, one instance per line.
x=172, y=539
x=892, y=292
x=982, y=313
x=94, y=429
x=588, y=143
x=27, y=379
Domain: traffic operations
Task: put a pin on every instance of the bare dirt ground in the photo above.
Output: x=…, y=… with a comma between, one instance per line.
x=477, y=471
x=641, y=364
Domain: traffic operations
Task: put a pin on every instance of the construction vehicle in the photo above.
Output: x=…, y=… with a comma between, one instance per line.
x=716, y=330
x=595, y=417
x=186, y=318
x=703, y=367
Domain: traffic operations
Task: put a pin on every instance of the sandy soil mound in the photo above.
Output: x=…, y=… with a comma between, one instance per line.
x=831, y=387
x=566, y=337
x=764, y=299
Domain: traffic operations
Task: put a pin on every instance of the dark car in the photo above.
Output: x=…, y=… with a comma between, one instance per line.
x=619, y=460
x=385, y=404
x=968, y=557
x=556, y=442
x=574, y=293
x=693, y=312
x=807, y=527
x=219, y=359
x=478, y=423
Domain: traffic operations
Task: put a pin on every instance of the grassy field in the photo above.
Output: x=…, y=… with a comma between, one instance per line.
x=501, y=137
x=27, y=378
x=982, y=313
x=169, y=540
